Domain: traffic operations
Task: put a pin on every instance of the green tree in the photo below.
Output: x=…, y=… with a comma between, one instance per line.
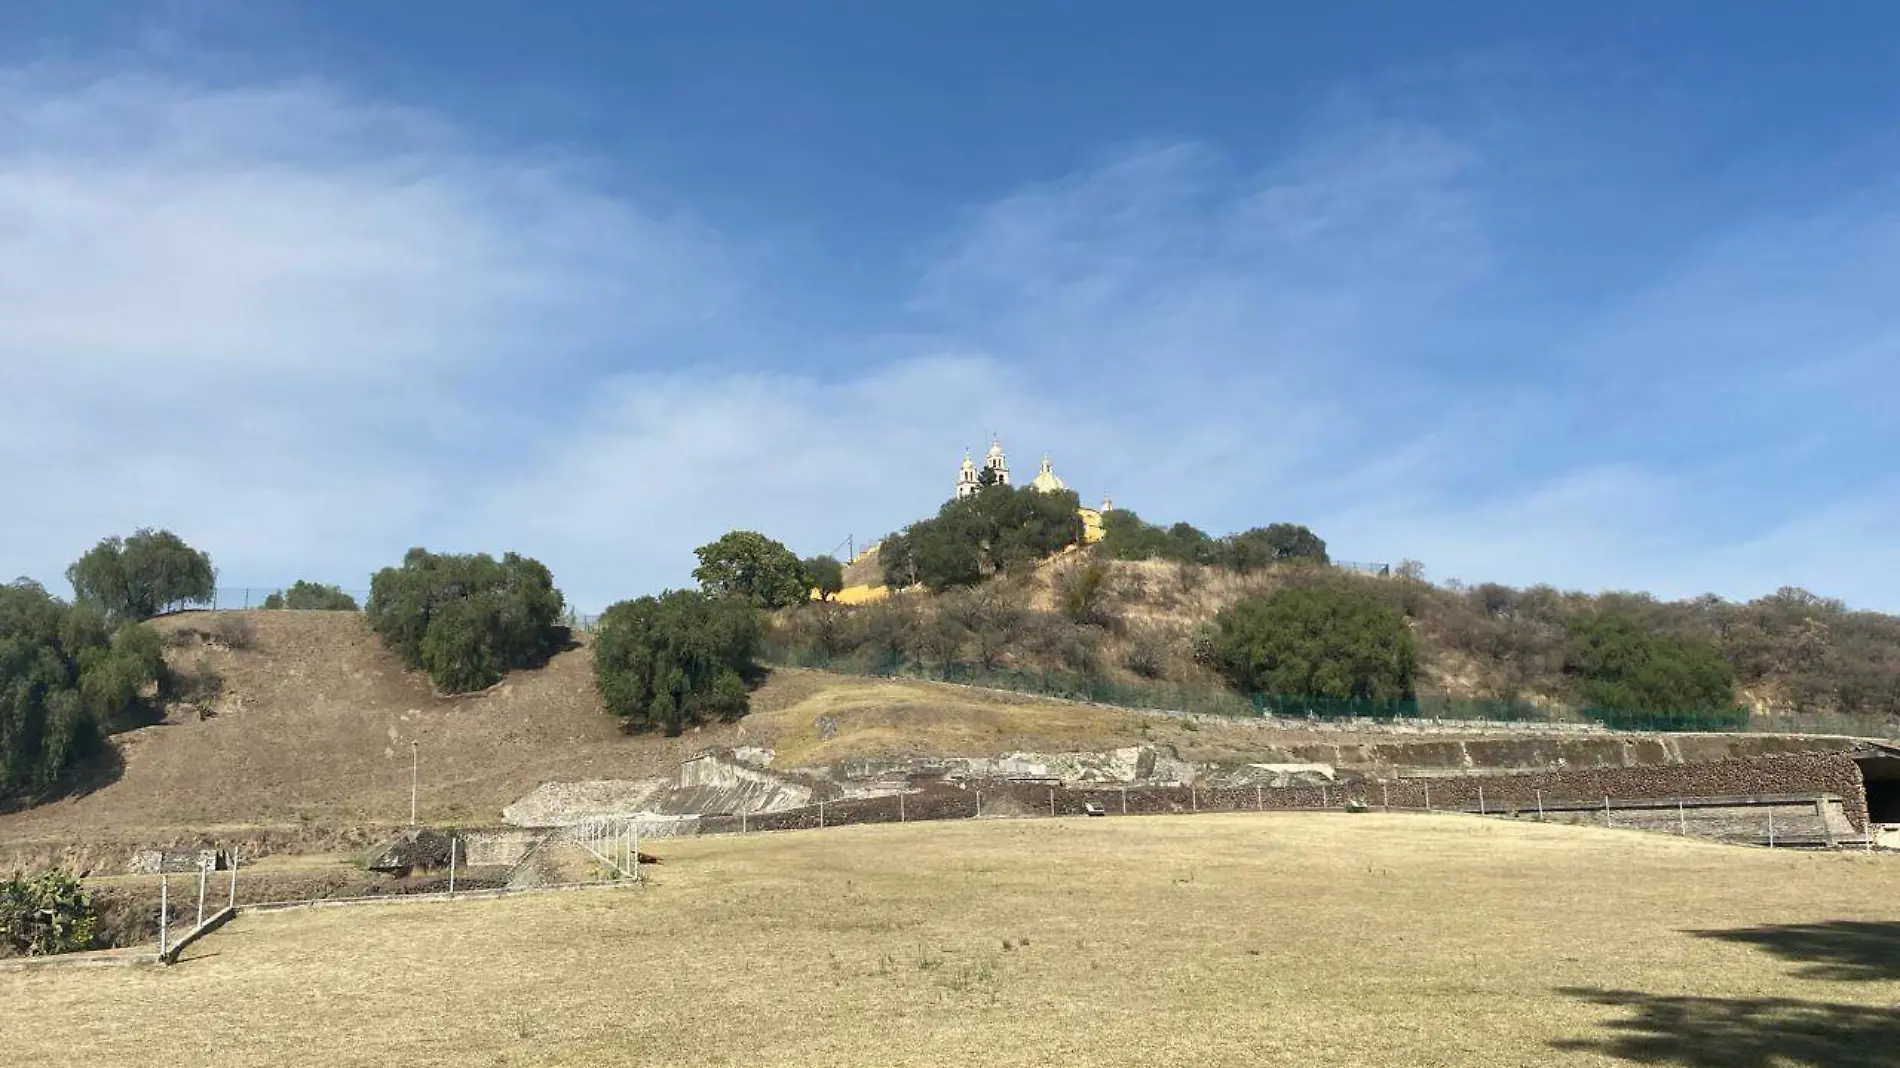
x=312, y=597
x=66, y=677
x=45, y=914
x=1275, y=544
x=668, y=662
x=136, y=578
x=1622, y=667
x=1125, y=536
x=467, y=620
x=827, y=576
x=995, y=529
x=752, y=566
x=1314, y=642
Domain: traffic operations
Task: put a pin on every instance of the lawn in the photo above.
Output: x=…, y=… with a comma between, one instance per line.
x=1275, y=939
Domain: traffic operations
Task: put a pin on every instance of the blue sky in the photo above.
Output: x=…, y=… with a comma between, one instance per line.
x=1598, y=296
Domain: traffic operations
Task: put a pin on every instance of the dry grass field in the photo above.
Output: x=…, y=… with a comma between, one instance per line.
x=1262, y=939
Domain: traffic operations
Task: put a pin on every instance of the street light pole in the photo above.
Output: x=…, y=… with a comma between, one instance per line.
x=415, y=763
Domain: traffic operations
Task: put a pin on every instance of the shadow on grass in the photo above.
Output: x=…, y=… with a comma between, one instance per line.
x=97, y=771
x=1845, y=950
x=1741, y=1032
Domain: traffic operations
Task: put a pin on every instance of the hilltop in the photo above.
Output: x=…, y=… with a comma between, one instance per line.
x=1800, y=662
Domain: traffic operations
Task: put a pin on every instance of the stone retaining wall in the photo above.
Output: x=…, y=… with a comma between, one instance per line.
x=1794, y=774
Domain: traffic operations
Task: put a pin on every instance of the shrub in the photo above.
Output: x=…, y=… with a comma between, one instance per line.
x=311, y=597
x=232, y=631
x=1626, y=669
x=136, y=578
x=467, y=620
x=44, y=914
x=66, y=676
x=1315, y=642
x=1147, y=653
x=1080, y=589
x=671, y=661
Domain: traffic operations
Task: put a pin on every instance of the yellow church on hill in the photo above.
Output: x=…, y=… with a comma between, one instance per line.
x=971, y=479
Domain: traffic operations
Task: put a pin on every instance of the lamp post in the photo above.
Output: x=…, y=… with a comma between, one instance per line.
x=415, y=763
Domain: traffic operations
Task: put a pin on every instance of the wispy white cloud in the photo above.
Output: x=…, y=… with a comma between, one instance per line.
x=307, y=331
x=286, y=322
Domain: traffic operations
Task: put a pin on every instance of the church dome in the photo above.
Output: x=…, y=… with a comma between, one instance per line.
x=1046, y=480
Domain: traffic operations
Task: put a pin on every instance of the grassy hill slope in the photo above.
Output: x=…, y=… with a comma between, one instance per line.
x=313, y=720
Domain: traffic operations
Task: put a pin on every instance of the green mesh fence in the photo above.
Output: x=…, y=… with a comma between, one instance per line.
x=1161, y=696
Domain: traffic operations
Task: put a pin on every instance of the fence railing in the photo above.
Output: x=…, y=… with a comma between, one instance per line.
x=1163, y=697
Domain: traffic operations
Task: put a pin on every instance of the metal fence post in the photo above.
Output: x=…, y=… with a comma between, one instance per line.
x=1428, y=794
x=233, y=862
x=1125, y=802
x=1481, y=810
x=1606, y=810
x=1325, y=796
x=1540, y=806
x=742, y=821
x=821, y=815
x=1052, y=801
x=1194, y=799
x=452, y=845
x=164, y=909
x=1771, y=828
x=1385, y=797
x=979, y=805
x=204, y=875
x=1260, y=797
x=1682, y=819
x=900, y=808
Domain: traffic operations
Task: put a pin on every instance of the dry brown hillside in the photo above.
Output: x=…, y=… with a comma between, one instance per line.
x=314, y=722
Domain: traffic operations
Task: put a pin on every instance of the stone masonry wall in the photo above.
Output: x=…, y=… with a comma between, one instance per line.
x=1793, y=774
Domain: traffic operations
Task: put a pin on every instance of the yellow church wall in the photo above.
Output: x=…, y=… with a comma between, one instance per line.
x=860, y=594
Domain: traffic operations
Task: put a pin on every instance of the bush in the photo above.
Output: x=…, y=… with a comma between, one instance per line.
x=311, y=597
x=1080, y=589
x=136, y=578
x=467, y=620
x=1623, y=668
x=232, y=632
x=66, y=676
x=671, y=661
x=1318, y=642
x=44, y=914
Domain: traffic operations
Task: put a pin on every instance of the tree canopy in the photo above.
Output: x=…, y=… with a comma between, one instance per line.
x=995, y=529
x=1275, y=544
x=136, y=578
x=66, y=676
x=1126, y=536
x=751, y=566
x=1624, y=668
x=312, y=596
x=1314, y=642
x=668, y=662
x=467, y=619
x=827, y=576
